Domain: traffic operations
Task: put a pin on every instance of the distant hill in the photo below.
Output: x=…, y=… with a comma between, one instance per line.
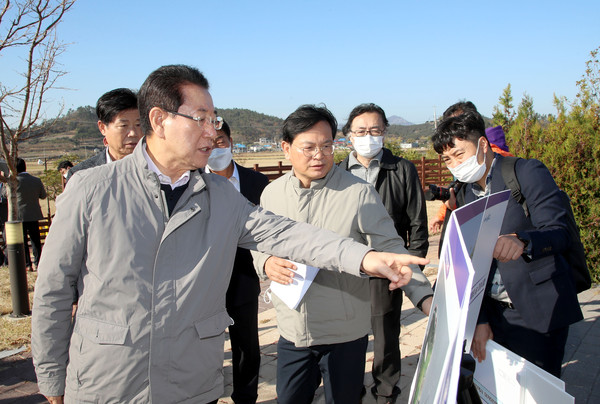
x=411, y=133
x=398, y=120
x=249, y=126
x=77, y=132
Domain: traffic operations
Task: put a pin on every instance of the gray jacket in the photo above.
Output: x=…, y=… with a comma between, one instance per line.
x=337, y=307
x=151, y=317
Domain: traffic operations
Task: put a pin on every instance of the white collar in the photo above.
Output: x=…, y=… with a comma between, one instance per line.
x=165, y=179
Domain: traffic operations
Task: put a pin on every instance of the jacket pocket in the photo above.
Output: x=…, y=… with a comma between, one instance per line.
x=213, y=326
x=545, y=269
x=196, y=357
x=103, y=364
x=101, y=332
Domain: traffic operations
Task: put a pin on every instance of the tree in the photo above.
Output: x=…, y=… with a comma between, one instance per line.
x=504, y=114
x=569, y=145
x=524, y=130
x=28, y=30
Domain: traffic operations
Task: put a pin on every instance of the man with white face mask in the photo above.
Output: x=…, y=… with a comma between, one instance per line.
x=244, y=287
x=530, y=298
x=397, y=182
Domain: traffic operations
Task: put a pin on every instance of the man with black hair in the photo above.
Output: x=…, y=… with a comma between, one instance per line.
x=244, y=287
x=530, y=298
x=150, y=240
x=119, y=124
x=30, y=190
x=64, y=167
x=397, y=182
x=325, y=336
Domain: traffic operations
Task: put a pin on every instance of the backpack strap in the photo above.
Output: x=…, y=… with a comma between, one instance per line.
x=509, y=175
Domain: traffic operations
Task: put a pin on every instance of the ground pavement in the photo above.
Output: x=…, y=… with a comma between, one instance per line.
x=581, y=366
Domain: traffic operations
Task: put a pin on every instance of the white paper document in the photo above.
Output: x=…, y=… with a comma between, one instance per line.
x=506, y=378
x=293, y=293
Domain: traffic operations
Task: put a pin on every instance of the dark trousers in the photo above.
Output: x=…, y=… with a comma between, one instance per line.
x=386, y=308
x=545, y=350
x=299, y=371
x=245, y=352
x=33, y=229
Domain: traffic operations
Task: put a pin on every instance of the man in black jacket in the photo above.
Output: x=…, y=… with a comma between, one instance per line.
x=244, y=287
x=29, y=192
x=397, y=182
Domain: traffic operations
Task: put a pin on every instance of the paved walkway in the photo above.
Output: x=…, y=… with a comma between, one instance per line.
x=581, y=368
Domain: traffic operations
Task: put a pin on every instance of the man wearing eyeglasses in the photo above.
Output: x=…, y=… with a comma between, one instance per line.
x=152, y=239
x=244, y=287
x=397, y=182
x=325, y=336
x=119, y=124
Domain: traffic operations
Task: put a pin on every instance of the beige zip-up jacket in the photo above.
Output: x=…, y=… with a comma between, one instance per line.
x=337, y=307
x=151, y=317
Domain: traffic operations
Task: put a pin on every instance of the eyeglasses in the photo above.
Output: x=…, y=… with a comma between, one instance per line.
x=312, y=151
x=216, y=122
x=372, y=131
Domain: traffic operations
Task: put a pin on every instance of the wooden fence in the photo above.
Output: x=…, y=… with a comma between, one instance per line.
x=431, y=171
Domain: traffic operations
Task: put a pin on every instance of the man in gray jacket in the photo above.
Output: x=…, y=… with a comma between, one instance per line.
x=326, y=334
x=151, y=240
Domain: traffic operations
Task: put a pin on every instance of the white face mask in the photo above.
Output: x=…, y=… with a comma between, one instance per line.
x=219, y=159
x=469, y=170
x=367, y=146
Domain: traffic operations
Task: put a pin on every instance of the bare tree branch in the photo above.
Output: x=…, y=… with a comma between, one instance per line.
x=29, y=27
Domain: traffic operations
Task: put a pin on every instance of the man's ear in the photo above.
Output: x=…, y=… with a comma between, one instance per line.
x=157, y=121
x=102, y=127
x=285, y=146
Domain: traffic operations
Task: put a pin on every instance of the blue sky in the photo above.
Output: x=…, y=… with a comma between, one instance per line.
x=272, y=56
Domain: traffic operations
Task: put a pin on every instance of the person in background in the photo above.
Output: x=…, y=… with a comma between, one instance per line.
x=397, y=182
x=119, y=124
x=29, y=192
x=64, y=167
x=242, y=295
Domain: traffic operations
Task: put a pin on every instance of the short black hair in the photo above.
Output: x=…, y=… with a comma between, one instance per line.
x=162, y=89
x=64, y=164
x=304, y=118
x=467, y=126
x=21, y=166
x=363, y=109
x=459, y=108
x=114, y=102
x=226, y=129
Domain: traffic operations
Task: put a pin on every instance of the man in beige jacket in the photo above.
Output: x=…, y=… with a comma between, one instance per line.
x=326, y=334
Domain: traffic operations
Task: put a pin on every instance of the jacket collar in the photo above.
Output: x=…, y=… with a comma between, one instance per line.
x=195, y=184
x=314, y=184
x=388, y=161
